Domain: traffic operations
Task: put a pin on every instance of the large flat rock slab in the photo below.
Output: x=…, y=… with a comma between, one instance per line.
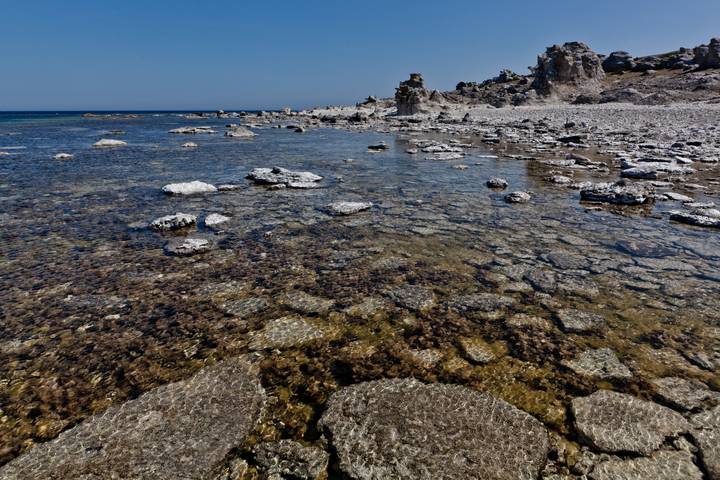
x=617, y=422
x=707, y=439
x=404, y=429
x=663, y=465
x=180, y=431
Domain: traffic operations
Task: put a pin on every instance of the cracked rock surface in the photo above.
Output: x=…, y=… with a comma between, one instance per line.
x=663, y=465
x=180, y=430
x=405, y=429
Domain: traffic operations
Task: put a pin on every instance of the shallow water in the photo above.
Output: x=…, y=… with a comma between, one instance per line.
x=94, y=313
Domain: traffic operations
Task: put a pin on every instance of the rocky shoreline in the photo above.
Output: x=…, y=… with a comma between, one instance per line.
x=409, y=367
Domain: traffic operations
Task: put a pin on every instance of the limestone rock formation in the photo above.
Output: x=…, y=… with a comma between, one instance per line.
x=618, y=62
x=708, y=56
x=573, y=65
x=411, y=95
x=617, y=422
x=405, y=429
x=181, y=430
x=663, y=465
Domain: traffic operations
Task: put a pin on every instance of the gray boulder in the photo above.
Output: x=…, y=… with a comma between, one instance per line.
x=618, y=62
x=283, y=176
x=184, y=247
x=173, y=222
x=572, y=64
x=619, y=193
x=181, y=430
x=708, y=56
x=188, y=188
x=404, y=429
x=617, y=422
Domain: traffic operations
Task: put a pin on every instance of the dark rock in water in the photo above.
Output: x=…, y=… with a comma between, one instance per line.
x=499, y=183
x=577, y=321
x=708, y=56
x=411, y=95
x=404, y=429
x=618, y=62
x=619, y=193
x=291, y=460
x=379, y=147
x=577, y=138
x=645, y=249
x=572, y=64
x=706, y=433
x=662, y=465
x=617, y=422
x=517, y=197
x=181, y=430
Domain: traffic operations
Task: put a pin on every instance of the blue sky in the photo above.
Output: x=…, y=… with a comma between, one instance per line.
x=161, y=54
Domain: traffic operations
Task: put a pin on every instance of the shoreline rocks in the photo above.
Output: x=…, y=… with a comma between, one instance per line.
x=173, y=222
x=188, y=188
x=109, y=143
x=285, y=177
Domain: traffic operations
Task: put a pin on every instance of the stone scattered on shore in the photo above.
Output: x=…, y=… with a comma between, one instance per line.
x=619, y=193
x=187, y=246
x=601, y=364
x=189, y=188
x=180, y=430
x=173, y=222
x=283, y=176
x=349, y=208
x=192, y=130
x=63, y=156
x=617, y=422
x=109, y=143
x=517, y=197
x=403, y=428
x=215, y=219
x=288, y=459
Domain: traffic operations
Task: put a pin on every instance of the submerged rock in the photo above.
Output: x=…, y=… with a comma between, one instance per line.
x=412, y=297
x=188, y=188
x=684, y=394
x=481, y=302
x=616, y=422
x=349, y=208
x=187, y=246
x=601, y=364
x=619, y=193
x=477, y=350
x=405, y=429
x=706, y=433
x=285, y=332
x=192, y=130
x=292, y=460
x=305, y=303
x=577, y=321
x=179, y=430
x=282, y=176
x=108, y=143
x=662, y=465
x=173, y=222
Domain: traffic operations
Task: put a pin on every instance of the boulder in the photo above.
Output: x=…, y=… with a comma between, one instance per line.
x=405, y=429
x=283, y=176
x=191, y=130
x=617, y=422
x=498, y=183
x=238, y=131
x=63, y=156
x=188, y=188
x=180, y=430
x=701, y=217
x=411, y=95
x=618, y=62
x=348, y=208
x=708, y=56
x=572, y=64
x=215, y=219
x=173, y=222
x=184, y=247
x=619, y=193
x=517, y=197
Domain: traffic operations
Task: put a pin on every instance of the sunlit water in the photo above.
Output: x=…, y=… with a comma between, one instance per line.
x=93, y=312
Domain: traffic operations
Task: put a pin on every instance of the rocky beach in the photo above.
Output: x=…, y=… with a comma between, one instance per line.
x=515, y=279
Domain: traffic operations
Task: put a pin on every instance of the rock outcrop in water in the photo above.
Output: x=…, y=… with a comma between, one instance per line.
x=407, y=429
x=284, y=177
x=180, y=430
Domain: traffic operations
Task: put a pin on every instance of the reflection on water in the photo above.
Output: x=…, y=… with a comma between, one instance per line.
x=94, y=313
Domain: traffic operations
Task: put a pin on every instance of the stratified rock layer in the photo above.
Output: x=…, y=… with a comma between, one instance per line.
x=404, y=429
x=617, y=422
x=181, y=430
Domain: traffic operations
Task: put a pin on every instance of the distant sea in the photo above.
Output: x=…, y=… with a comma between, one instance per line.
x=33, y=116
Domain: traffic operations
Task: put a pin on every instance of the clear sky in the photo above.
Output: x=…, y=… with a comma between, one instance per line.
x=182, y=54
